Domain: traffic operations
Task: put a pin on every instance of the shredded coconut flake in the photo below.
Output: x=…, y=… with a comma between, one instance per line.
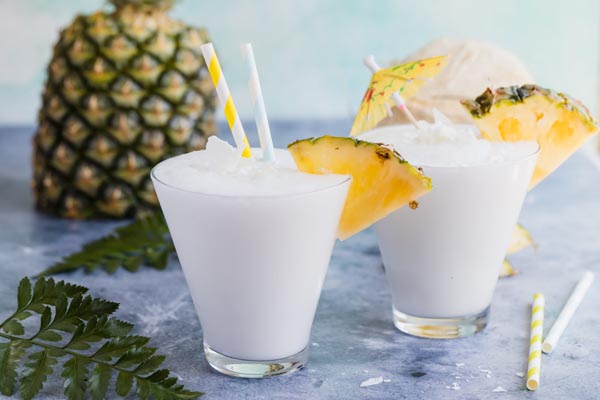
x=372, y=382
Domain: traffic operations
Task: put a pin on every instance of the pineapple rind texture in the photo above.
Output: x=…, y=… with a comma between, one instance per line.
x=125, y=90
x=482, y=105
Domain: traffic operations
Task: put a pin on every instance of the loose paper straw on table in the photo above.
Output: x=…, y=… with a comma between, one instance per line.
x=231, y=114
x=535, y=342
x=567, y=312
x=258, y=103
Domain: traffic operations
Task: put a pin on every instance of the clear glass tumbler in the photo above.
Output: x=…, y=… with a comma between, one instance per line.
x=442, y=260
x=255, y=267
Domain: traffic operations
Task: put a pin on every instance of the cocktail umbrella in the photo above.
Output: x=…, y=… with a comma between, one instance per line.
x=389, y=87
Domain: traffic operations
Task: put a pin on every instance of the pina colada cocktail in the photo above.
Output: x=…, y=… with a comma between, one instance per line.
x=254, y=240
x=442, y=259
x=254, y=237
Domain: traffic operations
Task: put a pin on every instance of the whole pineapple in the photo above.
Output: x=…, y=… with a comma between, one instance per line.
x=125, y=90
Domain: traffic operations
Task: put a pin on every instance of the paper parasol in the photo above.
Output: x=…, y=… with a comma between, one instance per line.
x=403, y=79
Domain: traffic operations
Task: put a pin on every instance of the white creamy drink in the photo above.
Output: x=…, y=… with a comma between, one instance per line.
x=254, y=240
x=442, y=259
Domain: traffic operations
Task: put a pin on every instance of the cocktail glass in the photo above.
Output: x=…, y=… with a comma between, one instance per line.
x=442, y=259
x=255, y=266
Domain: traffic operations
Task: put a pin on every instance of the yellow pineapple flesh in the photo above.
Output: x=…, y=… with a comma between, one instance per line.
x=520, y=240
x=559, y=123
x=382, y=181
x=507, y=269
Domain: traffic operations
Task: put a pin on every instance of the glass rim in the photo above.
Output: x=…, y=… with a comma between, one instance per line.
x=525, y=157
x=346, y=179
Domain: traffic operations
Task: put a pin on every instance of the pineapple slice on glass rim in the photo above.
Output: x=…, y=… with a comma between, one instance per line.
x=558, y=122
x=382, y=181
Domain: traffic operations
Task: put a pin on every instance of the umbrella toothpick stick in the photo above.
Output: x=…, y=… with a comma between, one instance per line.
x=398, y=100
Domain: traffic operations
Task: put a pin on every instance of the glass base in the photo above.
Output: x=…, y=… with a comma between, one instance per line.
x=441, y=328
x=254, y=369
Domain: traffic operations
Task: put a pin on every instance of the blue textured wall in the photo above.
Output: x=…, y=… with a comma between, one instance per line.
x=309, y=52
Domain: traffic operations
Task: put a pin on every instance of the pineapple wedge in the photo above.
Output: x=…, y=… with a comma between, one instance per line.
x=507, y=269
x=521, y=239
x=559, y=123
x=382, y=181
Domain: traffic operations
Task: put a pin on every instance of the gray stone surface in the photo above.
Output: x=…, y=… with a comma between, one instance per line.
x=353, y=336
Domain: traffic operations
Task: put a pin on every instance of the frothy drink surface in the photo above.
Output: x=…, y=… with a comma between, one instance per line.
x=220, y=170
x=443, y=144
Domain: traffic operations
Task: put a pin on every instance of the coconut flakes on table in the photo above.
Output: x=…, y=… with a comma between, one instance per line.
x=372, y=381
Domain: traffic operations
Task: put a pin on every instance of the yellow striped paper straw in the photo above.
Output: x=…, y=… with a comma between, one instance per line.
x=535, y=342
x=231, y=114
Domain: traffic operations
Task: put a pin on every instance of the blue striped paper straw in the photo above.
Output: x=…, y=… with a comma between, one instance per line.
x=258, y=103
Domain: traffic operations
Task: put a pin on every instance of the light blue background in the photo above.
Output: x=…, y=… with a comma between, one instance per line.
x=309, y=52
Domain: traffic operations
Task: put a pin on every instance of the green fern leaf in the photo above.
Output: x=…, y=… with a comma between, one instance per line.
x=13, y=326
x=50, y=336
x=10, y=354
x=99, y=381
x=49, y=292
x=75, y=372
x=134, y=356
x=143, y=388
x=124, y=383
x=22, y=315
x=45, y=319
x=69, y=325
x=96, y=330
x=167, y=392
x=159, y=375
x=143, y=242
x=36, y=372
x=119, y=346
x=24, y=293
x=151, y=364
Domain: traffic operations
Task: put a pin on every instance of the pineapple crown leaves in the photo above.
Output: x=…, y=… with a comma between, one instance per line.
x=142, y=242
x=77, y=330
x=161, y=5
